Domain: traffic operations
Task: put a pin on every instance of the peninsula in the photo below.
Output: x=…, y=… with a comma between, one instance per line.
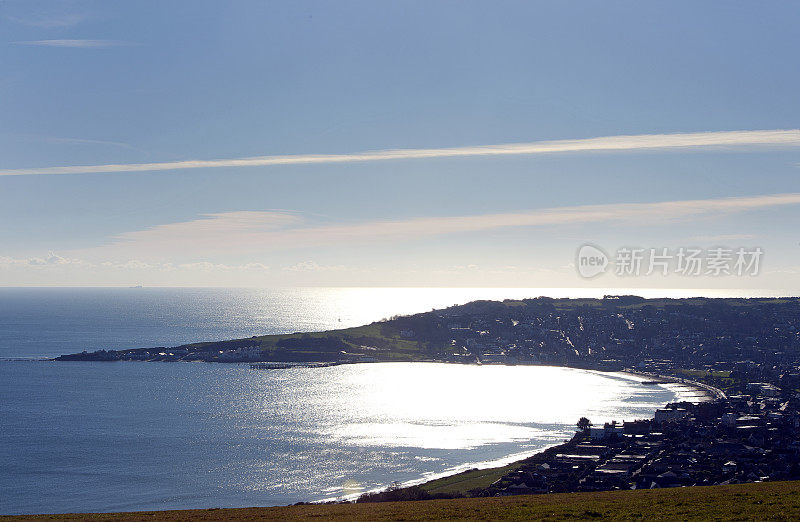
x=724, y=339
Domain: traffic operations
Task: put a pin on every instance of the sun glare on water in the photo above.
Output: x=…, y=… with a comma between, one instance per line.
x=447, y=406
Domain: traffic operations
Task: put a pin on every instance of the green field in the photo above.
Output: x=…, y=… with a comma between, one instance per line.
x=765, y=501
x=463, y=482
x=379, y=340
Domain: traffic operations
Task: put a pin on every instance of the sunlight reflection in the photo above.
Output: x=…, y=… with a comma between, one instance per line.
x=448, y=406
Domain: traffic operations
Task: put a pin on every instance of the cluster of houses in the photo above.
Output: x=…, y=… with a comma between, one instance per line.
x=239, y=354
x=610, y=334
x=743, y=438
x=253, y=354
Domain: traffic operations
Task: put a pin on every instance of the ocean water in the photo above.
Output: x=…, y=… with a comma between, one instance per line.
x=138, y=436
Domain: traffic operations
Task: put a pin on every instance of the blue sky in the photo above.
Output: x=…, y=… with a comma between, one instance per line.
x=100, y=83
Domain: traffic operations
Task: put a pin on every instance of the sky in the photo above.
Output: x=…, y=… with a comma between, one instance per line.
x=448, y=143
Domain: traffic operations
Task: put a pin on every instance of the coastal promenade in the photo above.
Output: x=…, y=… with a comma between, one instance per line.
x=703, y=392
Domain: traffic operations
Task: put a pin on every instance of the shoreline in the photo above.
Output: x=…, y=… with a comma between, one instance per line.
x=468, y=467
x=491, y=332
x=704, y=394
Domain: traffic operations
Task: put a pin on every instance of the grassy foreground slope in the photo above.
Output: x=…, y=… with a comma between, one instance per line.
x=763, y=501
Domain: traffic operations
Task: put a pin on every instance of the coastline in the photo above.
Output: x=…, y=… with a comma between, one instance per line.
x=469, y=467
x=684, y=389
x=405, y=343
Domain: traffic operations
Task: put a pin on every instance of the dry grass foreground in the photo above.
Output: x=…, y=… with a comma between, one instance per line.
x=772, y=500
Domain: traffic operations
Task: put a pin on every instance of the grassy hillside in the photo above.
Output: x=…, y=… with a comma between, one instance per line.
x=765, y=501
x=381, y=341
x=468, y=480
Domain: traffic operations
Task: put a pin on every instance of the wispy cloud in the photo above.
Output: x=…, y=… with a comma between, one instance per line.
x=49, y=21
x=82, y=141
x=90, y=142
x=51, y=259
x=642, y=142
x=235, y=233
x=312, y=266
x=81, y=44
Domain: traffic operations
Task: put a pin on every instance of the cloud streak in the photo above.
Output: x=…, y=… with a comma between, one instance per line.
x=237, y=233
x=642, y=142
x=78, y=44
x=49, y=22
x=50, y=260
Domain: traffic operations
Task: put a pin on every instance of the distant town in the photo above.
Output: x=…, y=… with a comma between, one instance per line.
x=743, y=354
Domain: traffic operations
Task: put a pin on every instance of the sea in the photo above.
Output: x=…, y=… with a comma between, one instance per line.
x=131, y=436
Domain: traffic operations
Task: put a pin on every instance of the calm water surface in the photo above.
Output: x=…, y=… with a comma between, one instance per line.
x=136, y=436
